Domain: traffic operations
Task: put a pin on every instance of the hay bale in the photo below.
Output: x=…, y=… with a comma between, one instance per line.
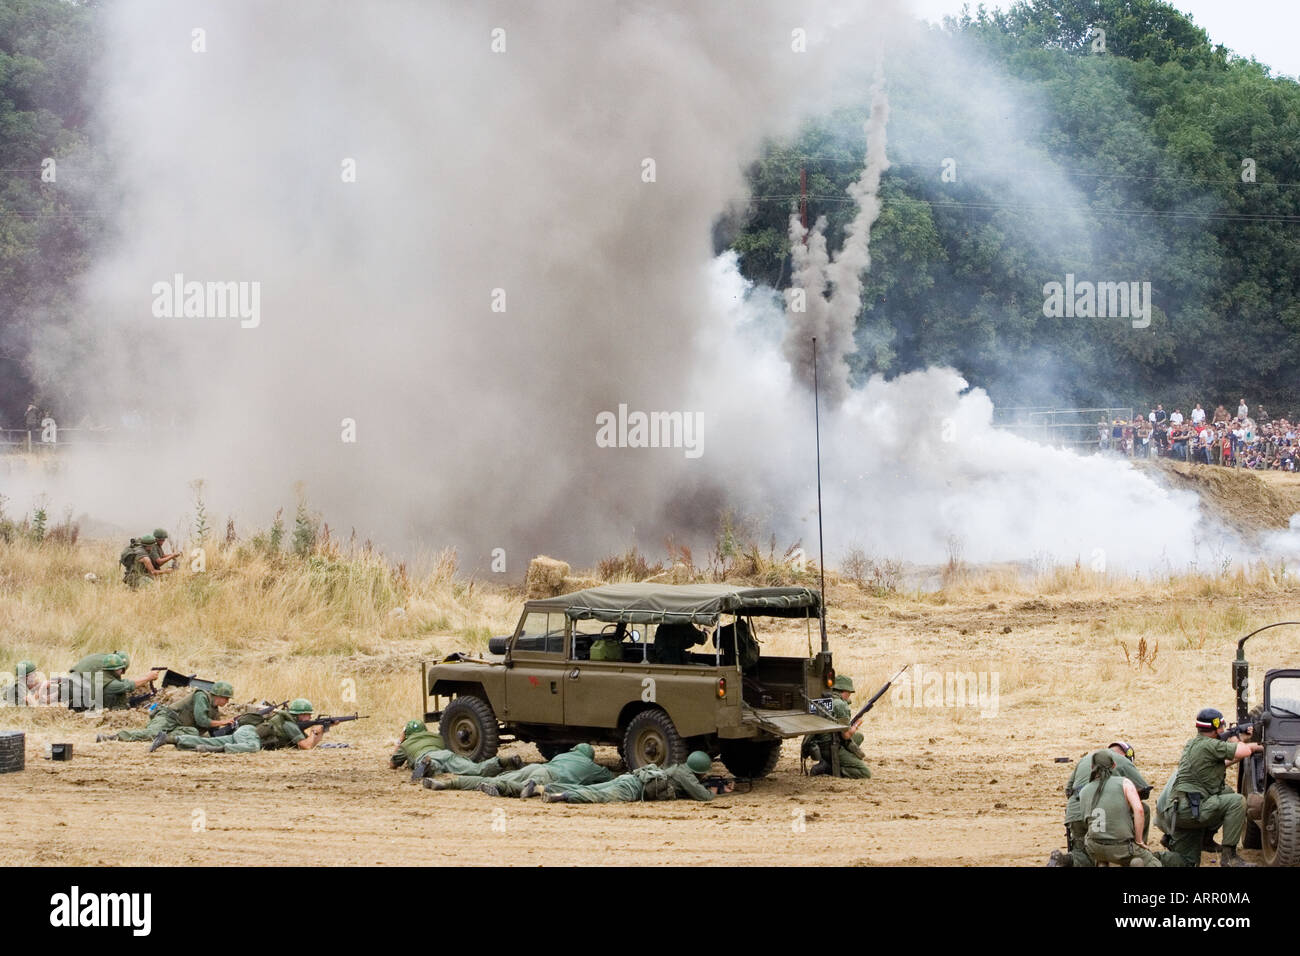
x=679, y=573
x=569, y=585
x=546, y=577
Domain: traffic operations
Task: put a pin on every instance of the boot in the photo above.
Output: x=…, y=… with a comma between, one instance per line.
x=420, y=769
x=820, y=769
x=1060, y=858
x=490, y=789
x=100, y=738
x=158, y=741
x=431, y=784
x=558, y=797
x=528, y=790
x=1229, y=858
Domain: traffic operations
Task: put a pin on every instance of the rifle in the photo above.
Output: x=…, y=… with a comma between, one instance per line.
x=328, y=722
x=228, y=729
x=857, y=718
x=718, y=783
x=1236, y=730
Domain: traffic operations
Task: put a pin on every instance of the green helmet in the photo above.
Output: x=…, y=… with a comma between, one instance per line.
x=300, y=705
x=160, y=534
x=148, y=539
x=116, y=661
x=858, y=738
x=699, y=762
x=843, y=682
x=25, y=668
x=222, y=689
x=586, y=750
x=414, y=726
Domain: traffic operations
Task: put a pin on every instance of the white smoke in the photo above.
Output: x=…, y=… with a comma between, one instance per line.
x=522, y=171
x=832, y=320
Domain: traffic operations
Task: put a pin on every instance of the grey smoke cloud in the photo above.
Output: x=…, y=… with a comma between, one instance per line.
x=519, y=171
x=475, y=171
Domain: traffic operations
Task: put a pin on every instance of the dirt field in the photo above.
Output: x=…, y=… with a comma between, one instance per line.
x=950, y=786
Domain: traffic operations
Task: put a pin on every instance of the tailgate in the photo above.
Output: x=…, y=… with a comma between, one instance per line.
x=792, y=723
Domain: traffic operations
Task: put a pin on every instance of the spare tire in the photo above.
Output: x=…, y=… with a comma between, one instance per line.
x=13, y=751
x=498, y=645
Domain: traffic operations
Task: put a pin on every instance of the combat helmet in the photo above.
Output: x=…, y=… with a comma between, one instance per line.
x=699, y=762
x=299, y=705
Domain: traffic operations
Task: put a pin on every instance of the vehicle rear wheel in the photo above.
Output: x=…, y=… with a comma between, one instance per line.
x=1281, y=829
x=469, y=728
x=750, y=759
x=652, y=738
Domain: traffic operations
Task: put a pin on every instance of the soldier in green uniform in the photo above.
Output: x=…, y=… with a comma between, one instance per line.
x=427, y=754
x=254, y=732
x=819, y=747
x=157, y=555
x=196, y=715
x=139, y=564
x=25, y=690
x=1076, y=827
x=645, y=783
x=1114, y=814
x=574, y=766
x=673, y=641
x=110, y=668
x=1198, y=801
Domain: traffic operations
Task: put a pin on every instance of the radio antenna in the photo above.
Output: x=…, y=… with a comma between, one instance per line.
x=821, y=551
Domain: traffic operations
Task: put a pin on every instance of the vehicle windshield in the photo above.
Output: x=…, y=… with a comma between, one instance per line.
x=1284, y=696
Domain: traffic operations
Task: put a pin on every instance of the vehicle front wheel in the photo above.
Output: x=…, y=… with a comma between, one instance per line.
x=652, y=738
x=1281, y=829
x=469, y=728
x=750, y=759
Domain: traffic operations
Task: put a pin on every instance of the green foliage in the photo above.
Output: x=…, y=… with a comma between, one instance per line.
x=201, y=527
x=306, y=526
x=1122, y=166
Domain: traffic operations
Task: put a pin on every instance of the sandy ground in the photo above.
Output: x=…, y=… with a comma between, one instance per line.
x=951, y=786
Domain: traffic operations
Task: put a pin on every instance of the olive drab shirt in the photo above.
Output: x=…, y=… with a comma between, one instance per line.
x=1083, y=770
x=116, y=691
x=1112, y=818
x=279, y=730
x=574, y=767
x=415, y=746
x=91, y=664
x=1202, y=767
x=682, y=779
x=197, y=710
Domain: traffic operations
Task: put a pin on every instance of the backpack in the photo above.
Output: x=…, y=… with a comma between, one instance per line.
x=129, y=554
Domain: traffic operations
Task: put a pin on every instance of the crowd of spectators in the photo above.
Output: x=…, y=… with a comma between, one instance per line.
x=1239, y=441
